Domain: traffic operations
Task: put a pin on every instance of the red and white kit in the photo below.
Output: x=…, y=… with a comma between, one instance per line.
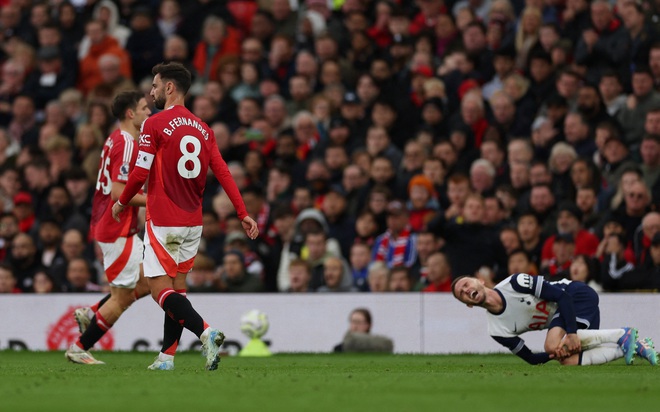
x=122, y=248
x=175, y=152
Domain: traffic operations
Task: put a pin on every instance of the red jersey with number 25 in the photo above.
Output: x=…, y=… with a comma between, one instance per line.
x=117, y=160
x=177, y=148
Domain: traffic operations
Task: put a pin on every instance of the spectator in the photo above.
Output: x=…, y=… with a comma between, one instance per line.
x=341, y=225
x=44, y=283
x=7, y=280
x=563, y=249
x=112, y=80
x=359, y=260
x=299, y=276
x=519, y=262
x=24, y=260
x=399, y=280
x=439, y=274
x=235, y=277
x=50, y=78
x=334, y=273
x=145, y=43
x=11, y=84
x=615, y=268
x=79, y=277
x=469, y=244
x=359, y=337
x=643, y=98
x=569, y=219
x=585, y=269
x=8, y=230
x=24, y=211
x=397, y=245
x=529, y=230
x=100, y=44
x=377, y=276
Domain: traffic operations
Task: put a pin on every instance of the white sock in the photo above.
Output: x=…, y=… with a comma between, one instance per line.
x=590, y=338
x=205, y=335
x=600, y=355
x=164, y=357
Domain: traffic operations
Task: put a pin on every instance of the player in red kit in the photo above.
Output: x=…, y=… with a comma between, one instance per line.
x=122, y=248
x=175, y=152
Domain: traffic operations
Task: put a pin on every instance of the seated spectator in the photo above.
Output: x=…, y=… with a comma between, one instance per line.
x=648, y=277
x=235, y=278
x=510, y=240
x=7, y=280
x=585, y=269
x=218, y=40
x=439, y=274
x=399, y=280
x=519, y=262
x=101, y=43
x=614, y=267
x=79, y=277
x=469, y=244
x=25, y=260
x=563, y=249
x=359, y=259
x=569, y=220
x=377, y=275
x=359, y=337
x=44, y=283
x=201, y=278
x=333, y=275
x=112, y=81
x=427, y=244
x=299, y=276
x=423, y=204
x=397, y=245
x=238, y=241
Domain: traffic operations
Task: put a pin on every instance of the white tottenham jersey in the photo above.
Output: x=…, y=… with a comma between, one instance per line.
x=524, y=310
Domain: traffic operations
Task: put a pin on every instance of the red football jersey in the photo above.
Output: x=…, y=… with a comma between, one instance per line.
x=117, y=161
x=177, y=148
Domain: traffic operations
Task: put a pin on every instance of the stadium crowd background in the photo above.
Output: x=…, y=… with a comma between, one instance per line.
x=380, y=145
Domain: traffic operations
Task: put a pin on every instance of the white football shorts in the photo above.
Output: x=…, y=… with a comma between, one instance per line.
x=121, y=261
x=170, y=249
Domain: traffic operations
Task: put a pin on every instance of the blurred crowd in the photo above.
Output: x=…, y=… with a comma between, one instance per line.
x=381, y=145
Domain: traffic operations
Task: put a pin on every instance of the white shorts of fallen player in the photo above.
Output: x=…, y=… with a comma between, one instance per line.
x=169, y=250
x=121, y=261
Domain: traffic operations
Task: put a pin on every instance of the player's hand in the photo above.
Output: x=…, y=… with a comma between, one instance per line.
x=116, y=211
x=249, y=225
x=572, y=344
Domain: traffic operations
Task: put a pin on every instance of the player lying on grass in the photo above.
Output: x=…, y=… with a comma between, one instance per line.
x=569, y=310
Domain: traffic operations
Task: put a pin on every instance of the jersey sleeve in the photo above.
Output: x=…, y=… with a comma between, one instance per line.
x=524, y=283
x=121, y=157
x=222, y=173
x=517, y=346
x=147, y=150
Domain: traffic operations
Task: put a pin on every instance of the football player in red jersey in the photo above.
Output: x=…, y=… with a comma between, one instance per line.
x=122, y=248
x=175, y=152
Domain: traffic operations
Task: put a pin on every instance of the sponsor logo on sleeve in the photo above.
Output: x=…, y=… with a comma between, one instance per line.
x=145, y=139
x=123, y=170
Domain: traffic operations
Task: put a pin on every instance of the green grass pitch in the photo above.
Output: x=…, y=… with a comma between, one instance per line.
x=45, y=381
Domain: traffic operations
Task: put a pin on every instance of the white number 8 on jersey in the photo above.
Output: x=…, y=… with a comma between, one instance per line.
x=189, y=156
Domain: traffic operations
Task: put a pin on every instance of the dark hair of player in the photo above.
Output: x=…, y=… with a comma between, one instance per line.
x=124, y=101
x=176, y=73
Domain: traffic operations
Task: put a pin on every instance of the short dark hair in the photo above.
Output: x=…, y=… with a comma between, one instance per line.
x=365, y=312
x=124, y=101
x=176, y=73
